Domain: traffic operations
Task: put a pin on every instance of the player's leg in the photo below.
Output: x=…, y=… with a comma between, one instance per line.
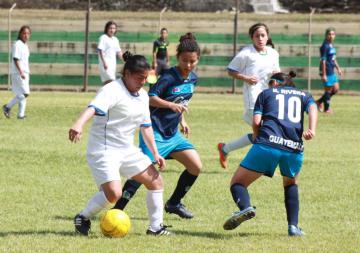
x=239, y=184
x=192, y=163
x=290, y=166
x=152, y=180
x=101, y=200
x=245, y=140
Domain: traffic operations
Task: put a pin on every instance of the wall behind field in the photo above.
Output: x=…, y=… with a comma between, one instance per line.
x=57, y=43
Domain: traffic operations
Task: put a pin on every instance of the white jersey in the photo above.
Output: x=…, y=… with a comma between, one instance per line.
x=118, y=114
x=20, y=51
x=110, y=47
x=252, y=63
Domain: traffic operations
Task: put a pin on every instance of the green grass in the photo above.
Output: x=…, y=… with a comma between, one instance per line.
x=45, y=181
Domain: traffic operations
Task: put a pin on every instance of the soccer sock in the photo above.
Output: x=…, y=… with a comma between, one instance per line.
x=240, y=195
x=327, y=97
x=15, y=100
x=128, y=191
x=333, y=92
x=22, y=107
x=243, y=141
x=186, y=180
x=292, y=204
x=154, y=203
x=97, y=203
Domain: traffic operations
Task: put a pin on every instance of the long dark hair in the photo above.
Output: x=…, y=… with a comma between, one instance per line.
x=134, y=63
x=187, y=44
x=22, y=29
x=283, y=79
x=108, y=24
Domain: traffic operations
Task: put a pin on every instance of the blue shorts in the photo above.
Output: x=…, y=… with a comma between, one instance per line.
x=166, y=146
x=264, y=159
x=331, y=80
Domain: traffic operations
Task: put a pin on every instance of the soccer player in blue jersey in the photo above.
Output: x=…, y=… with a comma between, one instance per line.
x=169, y=98
x=327, y=65
x=277, y=132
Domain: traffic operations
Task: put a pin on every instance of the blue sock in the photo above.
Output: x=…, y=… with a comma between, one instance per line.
x=292, y=204
x=241, y=196
x=128, y=191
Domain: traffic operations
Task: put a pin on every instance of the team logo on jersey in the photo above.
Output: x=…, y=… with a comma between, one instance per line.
x=176, y=90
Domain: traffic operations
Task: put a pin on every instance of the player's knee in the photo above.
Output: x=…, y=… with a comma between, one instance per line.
x=157, y=183
x=113, y=194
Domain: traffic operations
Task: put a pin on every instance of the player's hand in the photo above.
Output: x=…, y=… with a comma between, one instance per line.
x=340, y=72
x=185, y=129
x=22, y=74
x=324, y=78
x=178, y=108
x=160, y=161
x=252, y=80
x=309, y=134
x=75, y=134
x=105, y=66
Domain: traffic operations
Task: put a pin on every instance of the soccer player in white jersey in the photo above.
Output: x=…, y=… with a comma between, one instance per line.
x=20, y=73
x=254, y=65
x=108, y=49
x=119, y=108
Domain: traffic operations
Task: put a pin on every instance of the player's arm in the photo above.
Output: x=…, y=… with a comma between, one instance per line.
x=185, y=129
x=313, y=117
x=323, y=69
x=76, y=130
x=154, y=63
x=256, y=125
x=323, y=57
x=17, y=64
x=251, y=80
x=120, y=55
x=337, y=66
x=156, y=101
x=101, y=55
x=148, y=136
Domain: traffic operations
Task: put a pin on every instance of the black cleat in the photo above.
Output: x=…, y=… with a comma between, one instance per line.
x=178, y=209
x=162, y=231
x=82, y=225
x=6, y=111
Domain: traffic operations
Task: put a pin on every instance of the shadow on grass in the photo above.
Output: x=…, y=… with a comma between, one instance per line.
x=177, y=171
x=213, y=235
x=70, y=218
x=34, y=232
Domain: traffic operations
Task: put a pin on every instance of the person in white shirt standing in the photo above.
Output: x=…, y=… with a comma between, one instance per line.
x=254, y=65
x=108, y=49
x=20, y=73
x=119, y=109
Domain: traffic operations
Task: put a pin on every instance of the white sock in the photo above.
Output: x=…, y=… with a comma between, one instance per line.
x=97, y=203
x=22, y=107
x=239, y=143
x=154, y=202
x=15, y=100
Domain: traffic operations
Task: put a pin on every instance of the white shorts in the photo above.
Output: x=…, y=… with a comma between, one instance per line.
x=248, y=116
x=20, y=86
x=108, y=74
x=107, y=166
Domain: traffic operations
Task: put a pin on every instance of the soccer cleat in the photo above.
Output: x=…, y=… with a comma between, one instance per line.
x=295, y=231
x=82, y=224
x=21, y=117
x=6, y=111
x=162, y=231
x=320, y=106
x=178, y=209
x=239, y=217
x=329, y=111
x=222, y=155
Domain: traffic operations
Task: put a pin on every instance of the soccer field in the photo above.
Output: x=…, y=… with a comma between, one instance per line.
x=45, y=181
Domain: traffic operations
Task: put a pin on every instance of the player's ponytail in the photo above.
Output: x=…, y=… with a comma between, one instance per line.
x=282, y=79
x=134, y=63
x=187, y=44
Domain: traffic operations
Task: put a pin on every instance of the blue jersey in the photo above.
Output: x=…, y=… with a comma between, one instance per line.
x=282, y=111
x=171, y=87
x=327, y=54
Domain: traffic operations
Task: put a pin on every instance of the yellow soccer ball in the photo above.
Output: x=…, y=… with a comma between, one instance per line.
x=115, y=223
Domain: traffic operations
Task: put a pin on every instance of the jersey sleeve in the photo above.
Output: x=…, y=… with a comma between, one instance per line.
x=102, y=44
x=16, y=51
x=159, y=89
x=105, y=99
x=323, y=52
x=308, y=101
x=238, y=63
x=258, y=108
